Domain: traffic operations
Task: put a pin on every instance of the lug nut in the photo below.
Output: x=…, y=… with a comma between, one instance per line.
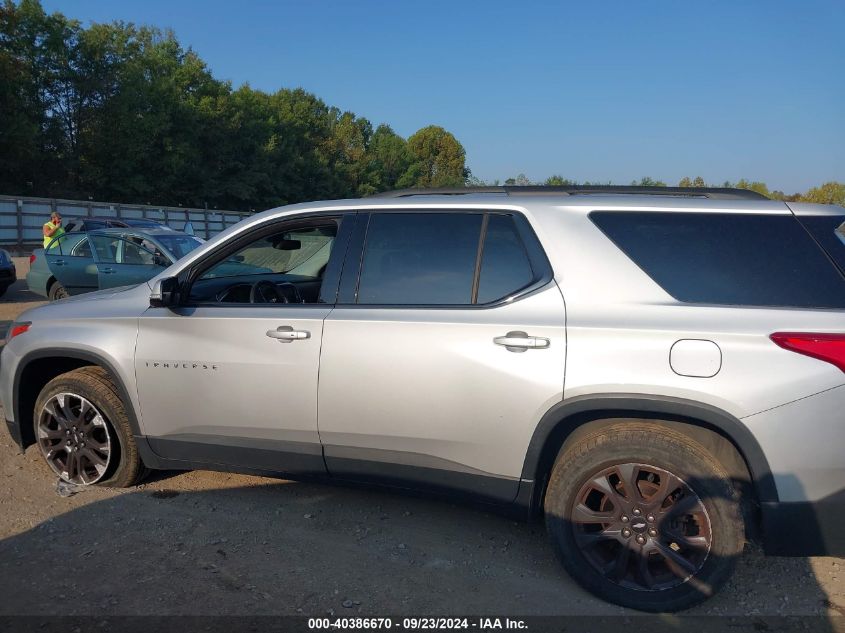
x=650, y=518
x=626, y=532
x=641, y=539
x=624, y=518
x=83, y=444
x=651, y=532
x=67, y=432
x=637, y=512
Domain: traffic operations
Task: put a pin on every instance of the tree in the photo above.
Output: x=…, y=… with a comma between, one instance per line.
x=828, y=193
x=439, y=159
x=648, y=182
x=388, y=160
x=759, y=187
x=520, y=181
x=125, y=113
x=558, y=181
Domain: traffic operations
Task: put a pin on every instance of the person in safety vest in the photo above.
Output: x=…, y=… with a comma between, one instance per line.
x=53, y=228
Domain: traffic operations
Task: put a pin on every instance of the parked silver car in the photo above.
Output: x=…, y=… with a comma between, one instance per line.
x=660, y=373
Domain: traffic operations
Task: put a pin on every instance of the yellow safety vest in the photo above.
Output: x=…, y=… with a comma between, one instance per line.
x=58, y=233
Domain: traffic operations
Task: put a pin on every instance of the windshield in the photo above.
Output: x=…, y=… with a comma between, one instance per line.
x=179, y=245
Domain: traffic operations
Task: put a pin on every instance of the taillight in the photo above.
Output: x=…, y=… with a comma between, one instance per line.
x=31, y=259
x=827, y=347
x=18, y=328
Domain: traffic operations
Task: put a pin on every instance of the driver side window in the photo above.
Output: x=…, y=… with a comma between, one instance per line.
x=283, y=266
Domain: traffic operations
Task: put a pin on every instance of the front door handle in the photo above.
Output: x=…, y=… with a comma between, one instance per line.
x=286, y=334
x=108, y=271
x=58, y=262
x=521, y=342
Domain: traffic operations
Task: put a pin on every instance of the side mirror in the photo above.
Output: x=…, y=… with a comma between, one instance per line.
x=165, y=293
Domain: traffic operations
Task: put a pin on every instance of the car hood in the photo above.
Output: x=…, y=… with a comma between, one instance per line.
x=120, y=302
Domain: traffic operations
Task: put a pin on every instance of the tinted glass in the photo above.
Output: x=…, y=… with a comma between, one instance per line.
x=68, y=244
x=82, y=249
x=136, y=254
x=732, y=259
x=829, y=230
x=504, y=264
x=301, y=251
x=179, y=245
x=420, y=258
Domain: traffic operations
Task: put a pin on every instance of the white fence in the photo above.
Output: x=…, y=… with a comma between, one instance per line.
x=21, y=217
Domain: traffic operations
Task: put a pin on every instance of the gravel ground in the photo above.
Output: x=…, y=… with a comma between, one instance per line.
x=18, y=297
x=213, y=543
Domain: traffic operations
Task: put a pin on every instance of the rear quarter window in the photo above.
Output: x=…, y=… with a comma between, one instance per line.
x=829, y=231
x=727, y=259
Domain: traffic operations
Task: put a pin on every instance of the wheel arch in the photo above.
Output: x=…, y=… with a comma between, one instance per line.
x=39, y=367
x=50, y=281
x=573, y=417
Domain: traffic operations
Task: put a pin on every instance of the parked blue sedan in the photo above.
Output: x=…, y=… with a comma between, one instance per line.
x=81, y=262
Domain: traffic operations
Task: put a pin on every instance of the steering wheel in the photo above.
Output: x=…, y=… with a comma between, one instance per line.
x=265, y=291
x=297, y=296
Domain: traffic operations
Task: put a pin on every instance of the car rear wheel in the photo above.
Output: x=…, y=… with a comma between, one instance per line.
x=644, y=517
x=83, y=432
x=57, y=291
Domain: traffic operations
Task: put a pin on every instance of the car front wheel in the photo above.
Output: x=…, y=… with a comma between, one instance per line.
x=644, y=517
x=83, y=432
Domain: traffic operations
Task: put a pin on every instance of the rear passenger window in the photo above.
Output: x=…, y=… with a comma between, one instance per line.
x=730, y=259
x=505, y=267
x=443, y=259
x=420, y=258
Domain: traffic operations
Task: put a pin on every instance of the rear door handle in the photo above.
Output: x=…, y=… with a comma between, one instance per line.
x=520, y=342
x=286, y=334
x=107, y=271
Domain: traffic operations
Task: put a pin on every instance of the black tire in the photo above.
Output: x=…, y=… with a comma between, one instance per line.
x=594, y=552
x=3, y=290
x=57, y=291
x=95, y=384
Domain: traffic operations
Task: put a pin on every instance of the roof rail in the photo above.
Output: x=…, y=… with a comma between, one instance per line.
x=717, y=193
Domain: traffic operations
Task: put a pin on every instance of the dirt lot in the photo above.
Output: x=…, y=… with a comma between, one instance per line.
x=211, y=543
x=18, y=297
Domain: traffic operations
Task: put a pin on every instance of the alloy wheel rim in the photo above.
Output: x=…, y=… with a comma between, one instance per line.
x=641, y=527
x=74, y=439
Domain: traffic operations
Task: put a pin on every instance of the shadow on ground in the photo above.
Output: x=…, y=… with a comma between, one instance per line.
x=258, y=546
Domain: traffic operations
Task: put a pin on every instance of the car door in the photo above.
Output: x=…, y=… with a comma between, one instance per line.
x=446, y=348
x=71, y=262
x=230, y=375
x=122, y=261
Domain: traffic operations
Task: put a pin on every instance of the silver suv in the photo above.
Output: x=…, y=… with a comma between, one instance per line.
x=660, y=373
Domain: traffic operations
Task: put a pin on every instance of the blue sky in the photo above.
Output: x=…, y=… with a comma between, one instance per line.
x=590, y=90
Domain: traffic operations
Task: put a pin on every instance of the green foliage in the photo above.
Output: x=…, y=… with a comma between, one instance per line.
x=646, y=181
x=439, y=159
x=828, y=193
x=125, y=113
x=558, y=181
